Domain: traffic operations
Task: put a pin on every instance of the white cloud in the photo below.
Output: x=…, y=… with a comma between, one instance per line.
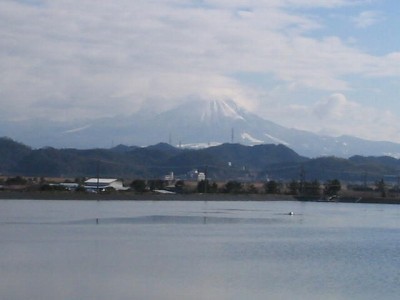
x=336, y=107
x=87, y=59
x=336, y=115
x=368, y=18
x=323, y=3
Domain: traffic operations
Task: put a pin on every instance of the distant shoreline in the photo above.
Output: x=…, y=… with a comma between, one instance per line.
x=127, y=196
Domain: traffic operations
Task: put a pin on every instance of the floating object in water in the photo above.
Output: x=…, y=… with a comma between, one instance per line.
x=291, y=213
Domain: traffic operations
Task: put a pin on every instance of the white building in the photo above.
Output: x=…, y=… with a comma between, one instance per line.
x=169, y=177
x=201, y=176
x=102, y=184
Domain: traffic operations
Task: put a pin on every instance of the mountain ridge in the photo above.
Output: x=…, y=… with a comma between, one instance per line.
x=223, y=162
x=198, y=124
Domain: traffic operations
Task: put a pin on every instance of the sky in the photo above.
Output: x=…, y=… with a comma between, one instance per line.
x=327, y=66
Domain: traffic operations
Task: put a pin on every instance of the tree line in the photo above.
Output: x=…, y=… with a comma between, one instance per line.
x=306, y=188
x=314, y=188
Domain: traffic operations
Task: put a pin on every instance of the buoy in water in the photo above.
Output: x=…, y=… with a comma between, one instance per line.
x=291, y=213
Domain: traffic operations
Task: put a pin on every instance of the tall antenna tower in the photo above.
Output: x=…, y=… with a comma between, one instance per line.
x=232, y=135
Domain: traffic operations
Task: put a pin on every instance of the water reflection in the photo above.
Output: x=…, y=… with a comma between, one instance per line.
x=183, y=250
x=168, y=219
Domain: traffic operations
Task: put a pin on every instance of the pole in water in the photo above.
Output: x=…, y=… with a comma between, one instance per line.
x=97, y=220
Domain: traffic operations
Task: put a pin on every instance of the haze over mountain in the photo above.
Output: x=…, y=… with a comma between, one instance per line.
x=198, y=124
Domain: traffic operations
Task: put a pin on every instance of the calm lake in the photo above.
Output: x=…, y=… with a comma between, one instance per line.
x=198, y=250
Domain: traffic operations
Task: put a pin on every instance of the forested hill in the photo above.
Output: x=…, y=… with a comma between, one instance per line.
x=227, y=161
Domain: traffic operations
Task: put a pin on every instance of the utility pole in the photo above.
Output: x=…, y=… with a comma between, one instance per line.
x=365, y=180
x=302, y=179
x=205, y=180
x=98, y=177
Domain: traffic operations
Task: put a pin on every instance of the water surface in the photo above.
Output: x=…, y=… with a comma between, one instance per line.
x=198, y=250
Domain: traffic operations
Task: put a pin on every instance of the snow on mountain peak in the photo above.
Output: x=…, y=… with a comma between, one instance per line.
x=277, y=140
x=247, y=137
x=215, y=109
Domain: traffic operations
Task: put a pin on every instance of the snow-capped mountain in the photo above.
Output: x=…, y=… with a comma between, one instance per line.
x=205, y=123
x=209, y=122
x=200, y=123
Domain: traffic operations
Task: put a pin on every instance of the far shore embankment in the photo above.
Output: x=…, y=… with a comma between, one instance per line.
x=131, y=196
